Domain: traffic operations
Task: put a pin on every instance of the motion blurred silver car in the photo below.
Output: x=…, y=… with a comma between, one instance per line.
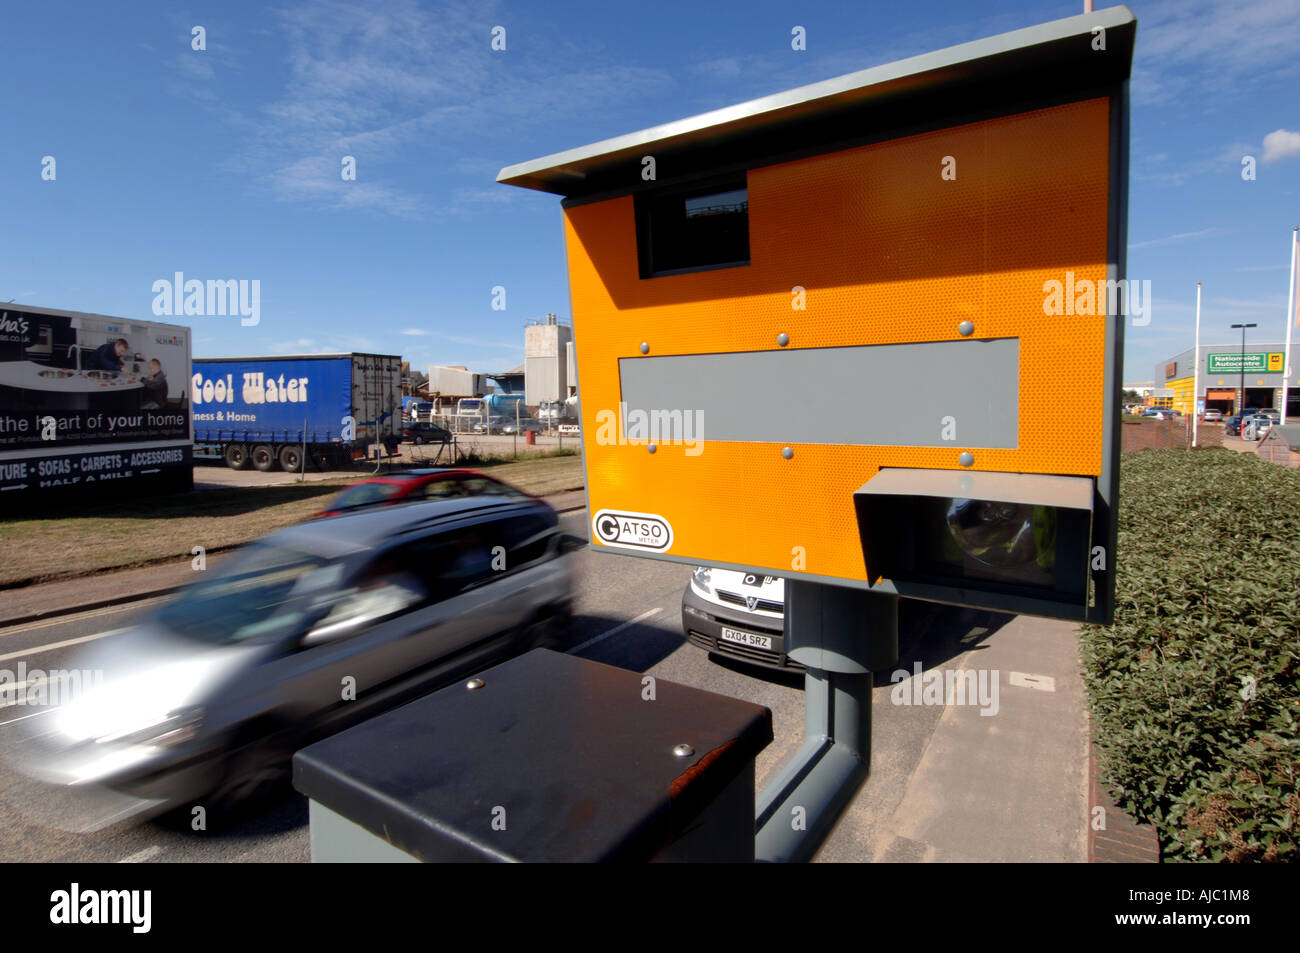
x=304, y=632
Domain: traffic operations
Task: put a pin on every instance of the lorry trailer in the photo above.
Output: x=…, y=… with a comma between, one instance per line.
x=292, y=411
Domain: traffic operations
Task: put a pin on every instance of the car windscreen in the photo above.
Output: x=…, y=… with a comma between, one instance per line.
x=261, y=592
x=364, y=494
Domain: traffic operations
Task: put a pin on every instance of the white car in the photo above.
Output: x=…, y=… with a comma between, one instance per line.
x=1257, y=427
x=737, y=614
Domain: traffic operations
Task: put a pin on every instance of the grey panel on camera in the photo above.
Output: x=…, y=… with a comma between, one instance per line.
x=1034, y=489
x=889, y=395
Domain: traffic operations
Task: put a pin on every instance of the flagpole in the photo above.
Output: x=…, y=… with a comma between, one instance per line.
x=1290, y=319
x=1196, y=364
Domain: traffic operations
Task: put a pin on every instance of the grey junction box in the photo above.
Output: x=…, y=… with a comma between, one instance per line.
x=553, y=758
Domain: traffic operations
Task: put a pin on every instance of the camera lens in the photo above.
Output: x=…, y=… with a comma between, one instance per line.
x=998, y=534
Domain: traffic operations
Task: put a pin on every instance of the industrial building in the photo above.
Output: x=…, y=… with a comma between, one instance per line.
x=548, y=370
x=1225, y=371
x=549, y=374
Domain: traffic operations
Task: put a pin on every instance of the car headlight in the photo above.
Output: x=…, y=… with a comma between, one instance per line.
x=702, y=577
x=177, y=728
x=173, y=728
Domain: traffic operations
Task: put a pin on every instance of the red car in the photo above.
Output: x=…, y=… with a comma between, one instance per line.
x=412, y=485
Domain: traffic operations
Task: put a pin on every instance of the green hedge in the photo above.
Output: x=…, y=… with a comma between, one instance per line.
x=1194, y=689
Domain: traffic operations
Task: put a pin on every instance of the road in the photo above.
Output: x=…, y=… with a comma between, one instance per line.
x=627, y=613
x=210, y=475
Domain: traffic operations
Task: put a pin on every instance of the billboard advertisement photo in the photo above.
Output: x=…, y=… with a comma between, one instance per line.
x=86, y=398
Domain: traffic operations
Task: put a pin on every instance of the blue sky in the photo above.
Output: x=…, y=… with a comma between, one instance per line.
x=225, y=163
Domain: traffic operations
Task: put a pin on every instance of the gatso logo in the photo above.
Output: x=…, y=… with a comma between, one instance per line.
x=644, y=531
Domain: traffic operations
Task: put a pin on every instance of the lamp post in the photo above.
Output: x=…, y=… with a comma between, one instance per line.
x=1241, y=407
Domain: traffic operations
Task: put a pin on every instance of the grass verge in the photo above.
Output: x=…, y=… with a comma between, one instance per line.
x=89, y=537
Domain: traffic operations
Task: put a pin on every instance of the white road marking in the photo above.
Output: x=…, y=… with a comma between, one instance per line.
x=617, y=629
x=14, y=721
x=140, y=856
x=57, y=645
x=1043, y=683
x=78, y=616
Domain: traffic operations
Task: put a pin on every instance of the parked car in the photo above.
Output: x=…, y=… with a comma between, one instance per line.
x=1232, y=425
x=406, y=486
x=1158, y=413
x=1254, y=428
x=209, y=695
x=1212, y=416
x=739, y=615
x=492, y=424
x=523, y=425
x=421, y=433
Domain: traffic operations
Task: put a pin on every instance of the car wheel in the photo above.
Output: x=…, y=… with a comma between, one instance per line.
x=419, y=441
x=263, y=457
x=236, y=456
x=547, y=630
x=255, y=776
x=291, y=458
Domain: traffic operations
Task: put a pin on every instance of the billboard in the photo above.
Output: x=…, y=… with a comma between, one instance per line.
x=86, y=398
x=1250, y=363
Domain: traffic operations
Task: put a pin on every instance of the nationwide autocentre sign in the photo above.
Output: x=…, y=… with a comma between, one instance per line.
x=1252, y=364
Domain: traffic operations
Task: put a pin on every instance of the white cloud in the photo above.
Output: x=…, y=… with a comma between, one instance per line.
x=721, y=68
x=1227, y=159
x=400, y=84
x=479, y=342
x=1252, y=304
x=318, y=179
x=1213, y=48
x=1181, y=236
x=1281, y=144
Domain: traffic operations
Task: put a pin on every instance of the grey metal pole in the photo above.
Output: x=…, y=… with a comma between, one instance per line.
x=1241, y=407
x=841, y=636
